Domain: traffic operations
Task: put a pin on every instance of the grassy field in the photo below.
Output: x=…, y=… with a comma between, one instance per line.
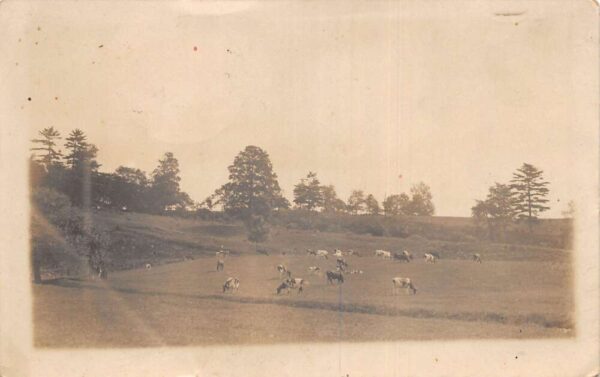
x=517, y=292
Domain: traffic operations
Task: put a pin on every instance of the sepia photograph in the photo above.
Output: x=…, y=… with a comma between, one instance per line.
x=269, y=178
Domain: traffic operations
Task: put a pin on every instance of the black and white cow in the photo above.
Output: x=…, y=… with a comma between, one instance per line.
x=231, y=284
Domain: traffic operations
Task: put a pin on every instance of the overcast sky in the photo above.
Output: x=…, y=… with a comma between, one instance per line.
x=454, y=95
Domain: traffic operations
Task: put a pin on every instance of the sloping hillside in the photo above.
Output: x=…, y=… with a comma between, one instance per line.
x=137, y=239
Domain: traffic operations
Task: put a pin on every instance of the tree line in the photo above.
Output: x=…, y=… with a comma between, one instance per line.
x=75, y=174
x=251, y=193
x=522, y=199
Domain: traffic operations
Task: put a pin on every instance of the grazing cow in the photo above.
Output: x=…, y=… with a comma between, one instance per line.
x=401, y=257
x=338, y=253
x=477, y=257
x=407, y=254
x=220, y=265
x=430, y=258
x=322, y=254
x=231, y=284
x=404, y=283
x=284, y=286
x=148, y=266
x=337, y=276
x=311, y=252
x=383, y=254
x=313, y=269
x=296, y=283
x=353, y=253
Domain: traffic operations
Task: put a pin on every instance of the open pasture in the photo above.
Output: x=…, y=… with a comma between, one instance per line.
x=183, y=303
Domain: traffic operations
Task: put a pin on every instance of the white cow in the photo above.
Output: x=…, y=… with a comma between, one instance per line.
x=338, y=253
x=383, y=254
x=430, y=258
x=231, y=284
x=405, y=283
x=322, y=254
x=148, y=266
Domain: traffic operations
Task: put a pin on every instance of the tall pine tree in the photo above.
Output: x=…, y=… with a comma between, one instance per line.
x=46, y=152
x=308, y=193
x=529, y=193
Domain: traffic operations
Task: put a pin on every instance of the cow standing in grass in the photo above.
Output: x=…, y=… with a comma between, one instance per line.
x=297, y=283
x=401, y=257
x=383, y=254
x=430, y=258
x=231, y=284
x=477, y=258
x=220, y=265
x=337, y=276
x=406, y=283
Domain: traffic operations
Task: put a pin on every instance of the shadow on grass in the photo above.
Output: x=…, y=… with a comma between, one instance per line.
x=490, y=317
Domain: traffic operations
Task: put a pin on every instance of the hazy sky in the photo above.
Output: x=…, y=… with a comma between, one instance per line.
x=446, y=93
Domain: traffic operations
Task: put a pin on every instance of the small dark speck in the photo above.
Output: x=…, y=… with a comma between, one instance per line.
x=516, y=24
x=229, y=51
x=28, y=98
x=36, y=43
x=516, y=357
x=19, y=39
x=100, y=46
x=195, y=48
x=56, y=98
x=17, y=63
x=93, y=62
x=39, y=28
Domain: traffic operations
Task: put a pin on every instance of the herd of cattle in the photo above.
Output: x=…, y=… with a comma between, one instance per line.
x=289, y=282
